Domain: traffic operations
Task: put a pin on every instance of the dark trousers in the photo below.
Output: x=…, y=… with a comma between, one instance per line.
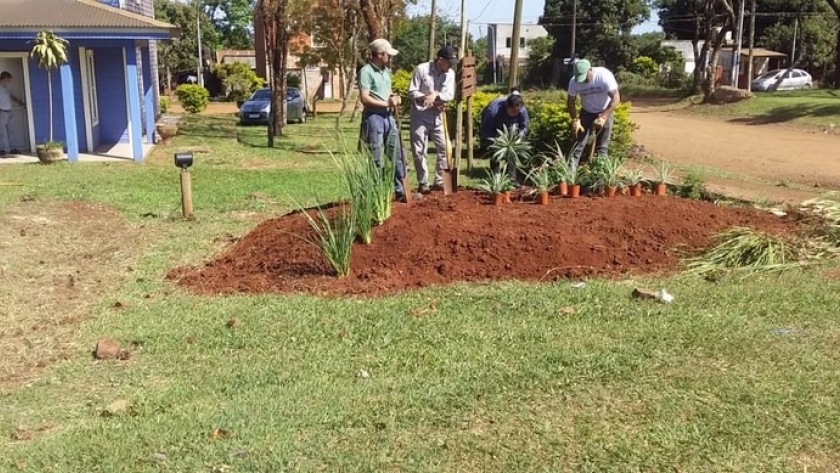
x=379, y=132
x=602, y=140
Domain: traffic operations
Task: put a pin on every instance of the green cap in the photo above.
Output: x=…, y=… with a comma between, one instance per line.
x=581, y=69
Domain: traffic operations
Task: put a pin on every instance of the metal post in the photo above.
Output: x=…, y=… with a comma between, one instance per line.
x=198, y=36
x=432, y=31
x=750, y=66
x=736, y=60
x=514, y=51
x=574, y=32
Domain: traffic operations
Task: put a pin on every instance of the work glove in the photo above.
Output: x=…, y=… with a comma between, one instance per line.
x=577, y=128
x=598, y=124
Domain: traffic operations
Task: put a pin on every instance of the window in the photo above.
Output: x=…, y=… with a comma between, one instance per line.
x=521, y=42
x=93, y=102
x=508, y=42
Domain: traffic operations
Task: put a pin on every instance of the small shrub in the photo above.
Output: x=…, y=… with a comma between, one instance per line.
x=164, y=104
x=361, y=176
x=693, y=185
x=399, y=85
x=383, y=188
x=334, y=237
x=193, y=97
x=238, y=80
x=645, y=67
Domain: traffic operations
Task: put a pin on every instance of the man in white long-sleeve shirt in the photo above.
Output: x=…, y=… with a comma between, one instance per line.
x=432, y=86
x=6, y=99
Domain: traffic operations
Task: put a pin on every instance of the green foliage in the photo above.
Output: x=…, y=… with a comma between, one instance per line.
x=645, y=67
x=334, y=236
x=400, y=80
x=743, y=249
x=362, y=177
x=496, y=183
x=538, y=69
x=609, y=174
x=509, y=146
x=411, y=38
x=193, y=97
x=693, y=185
x=293, y=80
x=164, y=104
x=51, y=51
x=625, y=78
x=383, y=189
x=238, y=79
x=180, y=55
x=233, y=19
x=550, y=122
x=541, y=177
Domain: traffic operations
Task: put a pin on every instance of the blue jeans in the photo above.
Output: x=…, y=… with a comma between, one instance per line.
x=379, y=131
x=602, y=141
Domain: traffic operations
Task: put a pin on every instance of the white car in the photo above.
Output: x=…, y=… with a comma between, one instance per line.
x=794, y=79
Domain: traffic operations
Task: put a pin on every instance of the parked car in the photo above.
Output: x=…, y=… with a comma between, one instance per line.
x=256, y=109
x=794, y=79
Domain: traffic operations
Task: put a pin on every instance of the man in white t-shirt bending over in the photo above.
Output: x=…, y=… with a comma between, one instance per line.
x=598, y=91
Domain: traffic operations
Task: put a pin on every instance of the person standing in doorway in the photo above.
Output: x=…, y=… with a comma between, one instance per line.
x=432, y=86
x=379, y=129
x=598, y=91
x=6, y=99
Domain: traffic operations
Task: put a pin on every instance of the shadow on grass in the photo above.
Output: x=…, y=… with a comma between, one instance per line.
x=790, y=113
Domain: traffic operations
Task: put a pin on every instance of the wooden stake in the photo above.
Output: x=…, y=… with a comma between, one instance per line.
x=186, y=194
x=470, y=133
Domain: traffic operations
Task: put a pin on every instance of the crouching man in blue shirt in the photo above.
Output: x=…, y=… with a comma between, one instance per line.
x=507, y=111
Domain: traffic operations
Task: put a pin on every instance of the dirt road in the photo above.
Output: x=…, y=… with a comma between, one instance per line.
x=772, y=153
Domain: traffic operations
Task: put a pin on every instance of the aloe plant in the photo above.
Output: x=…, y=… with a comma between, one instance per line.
x=509, y=146
x=51, y=52
x=541, y=178
x=609, y=175
x=572, y=177
x=496, y=183
x=663, y=172
x=634, y=176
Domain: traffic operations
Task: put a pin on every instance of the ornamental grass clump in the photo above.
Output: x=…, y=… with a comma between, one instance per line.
x=383, y=187
x=360, y=175
x=334, y=236
x=746, y=250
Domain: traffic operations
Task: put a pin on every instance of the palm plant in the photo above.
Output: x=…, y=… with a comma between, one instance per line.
x=51, y=52
x=509, y=146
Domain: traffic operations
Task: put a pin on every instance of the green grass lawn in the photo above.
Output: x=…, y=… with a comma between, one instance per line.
x=811, y=108
x=508, y=376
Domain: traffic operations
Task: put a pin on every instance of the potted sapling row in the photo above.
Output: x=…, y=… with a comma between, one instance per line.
x=634, y=179
x=610, y=178
x=663, y=173
x=572, y=179
x=542, y=179
x=496, y=184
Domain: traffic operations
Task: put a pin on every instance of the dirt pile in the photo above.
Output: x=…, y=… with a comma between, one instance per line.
x=461, y=238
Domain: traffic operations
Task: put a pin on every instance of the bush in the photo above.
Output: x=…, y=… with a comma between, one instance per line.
x=164, y=105
x=399, y=85
x=631, y=78
x=193, y=97
x=293, y=80
x=551, y=122
x=645, y=67
x=238, y=80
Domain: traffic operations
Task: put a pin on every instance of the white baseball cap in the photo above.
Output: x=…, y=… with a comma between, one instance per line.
x=383, y=46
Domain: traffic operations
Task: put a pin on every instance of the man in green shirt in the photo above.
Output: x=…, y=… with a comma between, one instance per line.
x=378, y=127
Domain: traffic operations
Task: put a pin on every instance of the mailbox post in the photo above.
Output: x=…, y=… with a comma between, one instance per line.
x=184, y=161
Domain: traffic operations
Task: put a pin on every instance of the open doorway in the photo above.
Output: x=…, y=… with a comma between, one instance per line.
x=21, y=124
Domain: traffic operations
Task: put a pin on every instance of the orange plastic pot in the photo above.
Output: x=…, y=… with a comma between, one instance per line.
x=661, y=189
x=636, y=190
x=574, y=190
x=498, y=199
x=563, y=188
x=544, y=198
x=610, y=191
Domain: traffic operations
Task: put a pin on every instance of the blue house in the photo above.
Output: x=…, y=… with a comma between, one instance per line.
x=105, y=94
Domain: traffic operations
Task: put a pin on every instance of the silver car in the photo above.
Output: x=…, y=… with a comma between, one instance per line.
x=794, y=79
x=256, y=109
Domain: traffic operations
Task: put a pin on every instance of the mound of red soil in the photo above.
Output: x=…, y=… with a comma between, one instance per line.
x=462, y=238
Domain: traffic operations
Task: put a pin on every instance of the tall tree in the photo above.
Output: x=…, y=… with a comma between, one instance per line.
x=836, y=9
x=181, y=55
x=603, y=28
x=233, y=20
x=411, y=39
x=379, y=16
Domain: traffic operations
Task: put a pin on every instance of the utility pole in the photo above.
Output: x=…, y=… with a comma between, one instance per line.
x=514, y=46
x=432, y=31
x=736, y=59
x=752, y=47
x=459, y=118
x=793, y=48
x=198, y=36
x=574, y=32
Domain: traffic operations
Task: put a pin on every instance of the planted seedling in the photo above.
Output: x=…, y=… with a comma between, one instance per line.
x=542, y=179
x=496, y=184
x=663, y=174
x=609, y=177
x=509, y=147
x=634, y=178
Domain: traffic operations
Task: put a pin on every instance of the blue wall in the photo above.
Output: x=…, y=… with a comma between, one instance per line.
x=110, y=79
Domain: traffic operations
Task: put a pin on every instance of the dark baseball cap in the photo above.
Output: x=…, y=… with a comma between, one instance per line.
x=446, y=52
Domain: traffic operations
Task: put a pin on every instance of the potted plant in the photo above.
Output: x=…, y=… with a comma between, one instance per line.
x=609, y=177
x=634, y=179
x=559, y=168
x=542, y=180
x=496, y=184
x=509, y=148
x=572, y=179
x=51, y=52
x=663, y=173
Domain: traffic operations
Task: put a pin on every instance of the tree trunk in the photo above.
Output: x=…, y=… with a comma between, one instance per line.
x=373, y=19
x=49, y=89
x=836, y=8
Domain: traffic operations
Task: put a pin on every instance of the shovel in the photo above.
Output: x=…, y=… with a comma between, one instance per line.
x=406, y=189
x=450, y=174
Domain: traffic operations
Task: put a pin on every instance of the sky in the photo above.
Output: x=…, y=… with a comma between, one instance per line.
x=481, y=12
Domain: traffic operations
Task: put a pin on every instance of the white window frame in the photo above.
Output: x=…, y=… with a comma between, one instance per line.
x=93, y=98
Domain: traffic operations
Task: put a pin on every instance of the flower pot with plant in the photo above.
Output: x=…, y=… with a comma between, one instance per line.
x=51, y=52
x=572, y=179
x=609, y=177
x=556, y=160
x=542, y=179
x=663, y=173
x=509, y=149
x=634, y=179
x=496, y=184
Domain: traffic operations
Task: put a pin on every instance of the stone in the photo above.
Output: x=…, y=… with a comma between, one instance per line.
x=107, y=348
